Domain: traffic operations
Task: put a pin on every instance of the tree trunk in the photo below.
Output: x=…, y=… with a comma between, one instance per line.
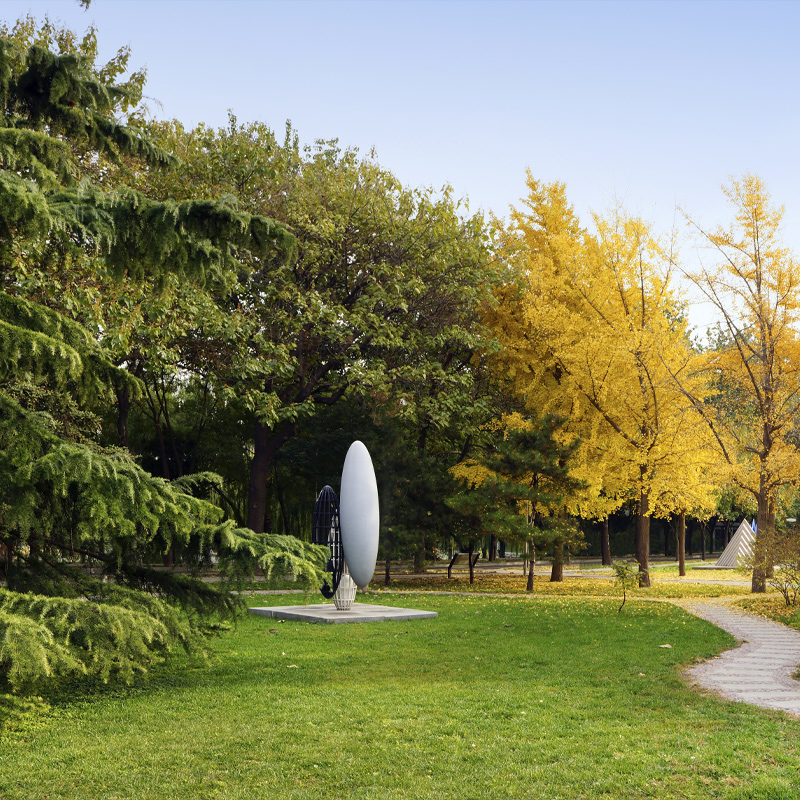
x=666, y=540
x=162, y=448
x=531, y=567
x=557, y=570
x=682, y=544
x=643, y=539
x=6, y=555
x=493, y=548
x=759, y=582
x=265, y=444
x=386, y=574
x=419, y=556
x=471, y=568
x=282, y=506
x=702, y=541
x=605, y=544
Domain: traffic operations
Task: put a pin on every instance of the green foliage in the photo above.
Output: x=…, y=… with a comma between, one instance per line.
x=627, y=578
x=380, y=302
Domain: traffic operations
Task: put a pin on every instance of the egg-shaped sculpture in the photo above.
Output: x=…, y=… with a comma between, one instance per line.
x=358, y=514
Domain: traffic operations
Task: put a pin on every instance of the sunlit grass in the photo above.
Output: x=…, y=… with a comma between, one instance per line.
x=664, y=586
x=772, y=606
x=519, y=697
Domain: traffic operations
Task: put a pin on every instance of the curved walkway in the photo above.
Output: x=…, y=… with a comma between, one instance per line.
x=760, y=670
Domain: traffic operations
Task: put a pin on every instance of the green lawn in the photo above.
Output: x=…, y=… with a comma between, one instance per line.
x=548, y=697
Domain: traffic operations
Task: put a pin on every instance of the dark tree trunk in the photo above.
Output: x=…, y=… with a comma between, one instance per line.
x=682, y=544
x=162, y=448
x=265, y=444
x=759, y=582
x=386, y=572
x=493, y=548
x=6, y=555
x=643, y=539
x=531, y=567
x=666, y=539
x=702, y=541
x=282, y=506
x=419, y=555
x=605, y=544
x=557, y=570
x=471, y=566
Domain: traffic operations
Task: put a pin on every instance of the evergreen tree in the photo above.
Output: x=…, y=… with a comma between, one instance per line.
x=71, y=512
x=520, y=489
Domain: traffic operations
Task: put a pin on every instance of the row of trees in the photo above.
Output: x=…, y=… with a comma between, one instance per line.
x=594, y=330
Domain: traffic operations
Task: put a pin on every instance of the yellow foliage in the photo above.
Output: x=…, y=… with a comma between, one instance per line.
x=593, y=330
x=755, y=286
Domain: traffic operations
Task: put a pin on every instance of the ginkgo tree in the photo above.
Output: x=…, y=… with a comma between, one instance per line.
x=593, y=332
x=753, y=282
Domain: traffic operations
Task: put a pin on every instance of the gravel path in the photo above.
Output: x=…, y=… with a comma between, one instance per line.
x=759, y=671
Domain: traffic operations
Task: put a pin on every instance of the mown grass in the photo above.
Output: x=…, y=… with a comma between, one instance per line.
x=519, y=697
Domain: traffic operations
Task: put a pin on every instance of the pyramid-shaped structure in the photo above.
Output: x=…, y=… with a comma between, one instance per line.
x=739, y=549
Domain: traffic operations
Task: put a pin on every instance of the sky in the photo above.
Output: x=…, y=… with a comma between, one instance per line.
x=651, y=104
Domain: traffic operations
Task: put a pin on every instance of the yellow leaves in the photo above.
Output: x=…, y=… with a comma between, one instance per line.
x=471, y=472
x=595, y=332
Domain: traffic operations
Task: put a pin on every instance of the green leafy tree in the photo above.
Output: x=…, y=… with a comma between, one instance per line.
x=380, y=301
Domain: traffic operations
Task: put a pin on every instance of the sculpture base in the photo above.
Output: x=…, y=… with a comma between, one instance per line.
x=327, y=613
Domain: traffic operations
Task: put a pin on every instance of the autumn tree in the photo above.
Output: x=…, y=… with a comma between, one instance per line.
x=592, y=332
x=754, y=285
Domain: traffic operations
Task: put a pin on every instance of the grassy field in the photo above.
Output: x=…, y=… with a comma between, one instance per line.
x=545, y=697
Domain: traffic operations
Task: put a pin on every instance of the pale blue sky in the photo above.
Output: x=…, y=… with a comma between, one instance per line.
x=653, y=103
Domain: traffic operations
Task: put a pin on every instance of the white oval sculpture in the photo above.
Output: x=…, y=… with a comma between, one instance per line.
x=358, y=514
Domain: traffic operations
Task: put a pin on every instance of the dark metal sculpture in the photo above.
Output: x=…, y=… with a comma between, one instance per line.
x=325, y=530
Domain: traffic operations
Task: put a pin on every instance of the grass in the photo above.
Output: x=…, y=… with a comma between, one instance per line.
x=500, y=697
x=773, y=607
x=664, y=586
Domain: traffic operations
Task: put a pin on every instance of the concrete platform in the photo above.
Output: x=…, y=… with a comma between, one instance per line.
x=327, y=613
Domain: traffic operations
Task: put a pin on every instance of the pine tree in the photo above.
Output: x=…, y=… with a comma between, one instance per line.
x=72, y=513
x=521, y=487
